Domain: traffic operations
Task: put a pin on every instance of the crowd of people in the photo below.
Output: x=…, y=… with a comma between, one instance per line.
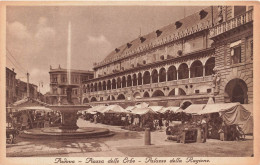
x=149, y=120
x=28, y=119
x=212, y=125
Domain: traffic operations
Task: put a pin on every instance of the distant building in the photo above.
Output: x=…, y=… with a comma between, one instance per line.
x=10, y=86
x=208, y=54
x=21, y=90
x=59, y=77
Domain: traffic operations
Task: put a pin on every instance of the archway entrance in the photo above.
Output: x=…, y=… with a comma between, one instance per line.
x=236, y=91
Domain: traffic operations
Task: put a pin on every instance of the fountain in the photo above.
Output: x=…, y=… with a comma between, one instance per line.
x=68, y=128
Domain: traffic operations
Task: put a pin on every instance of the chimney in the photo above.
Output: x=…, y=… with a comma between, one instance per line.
x=142, y=39
x=178, y=24
x=117, y=50
x=158, y=32
x=129, y=45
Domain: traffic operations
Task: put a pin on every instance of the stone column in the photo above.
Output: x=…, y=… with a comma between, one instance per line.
x=177, y=74
x=189, y=73
x=204, y=71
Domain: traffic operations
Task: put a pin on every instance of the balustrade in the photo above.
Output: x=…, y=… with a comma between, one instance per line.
x=231, y=24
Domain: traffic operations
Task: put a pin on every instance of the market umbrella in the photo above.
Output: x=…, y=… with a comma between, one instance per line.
x=36, y=108
x=142, y=111
x=142, y=105
x=171, y=109
x=213, y=108
x=114, y=109
x=94, y=109
x=129, y=108
x=194, y=108
x=156, y=108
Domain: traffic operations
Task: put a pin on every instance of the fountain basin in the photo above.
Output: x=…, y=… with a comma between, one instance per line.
x=69, y=115
x=59, y=134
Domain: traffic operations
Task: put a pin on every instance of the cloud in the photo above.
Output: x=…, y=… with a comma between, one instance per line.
x=29, y=46
x=18, y=30
x=98, y=39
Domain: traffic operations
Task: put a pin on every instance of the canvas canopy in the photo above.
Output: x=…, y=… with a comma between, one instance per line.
x=249, y=107
x=94, y=109
x=129, y=108
x=194, y=108
x=156, y=108
x=28, y=102
x=172, y=109
x=142, y=105
x=232, y=113
x=213, y=108
x=143, y=111
x=114, y=109
x=36, y=108
x=240, y=116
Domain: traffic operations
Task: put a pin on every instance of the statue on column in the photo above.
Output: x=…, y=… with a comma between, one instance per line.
x=216, y=81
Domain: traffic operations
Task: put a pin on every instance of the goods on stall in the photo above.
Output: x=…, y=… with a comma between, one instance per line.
x=176, y=132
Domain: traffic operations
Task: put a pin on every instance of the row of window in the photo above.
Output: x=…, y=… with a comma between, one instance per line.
x=196, y=70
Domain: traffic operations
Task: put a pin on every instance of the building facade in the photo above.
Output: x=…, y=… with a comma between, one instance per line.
x=59, y=77
x=21, y=90
x=10, y=86
x=207, y=54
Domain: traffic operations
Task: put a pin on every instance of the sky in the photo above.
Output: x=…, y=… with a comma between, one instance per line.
x=36, y=36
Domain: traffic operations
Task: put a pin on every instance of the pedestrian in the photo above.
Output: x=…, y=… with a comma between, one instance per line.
x=204, y=126
x=24, y=118
x=160, y=122
x=95, y=119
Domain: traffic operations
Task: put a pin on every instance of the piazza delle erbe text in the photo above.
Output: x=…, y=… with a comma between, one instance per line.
x=181, y=85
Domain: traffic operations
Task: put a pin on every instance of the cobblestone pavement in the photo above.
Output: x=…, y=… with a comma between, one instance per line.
x=126, y=143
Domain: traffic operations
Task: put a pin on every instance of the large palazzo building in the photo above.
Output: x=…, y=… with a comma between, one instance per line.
x=208, y=54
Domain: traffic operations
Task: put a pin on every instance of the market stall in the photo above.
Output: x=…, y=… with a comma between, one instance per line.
x=236, y=119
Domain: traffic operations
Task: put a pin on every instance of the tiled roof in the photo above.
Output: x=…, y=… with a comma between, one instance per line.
x=190, y=24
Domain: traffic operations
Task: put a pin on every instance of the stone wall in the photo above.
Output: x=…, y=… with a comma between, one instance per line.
x=228, y=71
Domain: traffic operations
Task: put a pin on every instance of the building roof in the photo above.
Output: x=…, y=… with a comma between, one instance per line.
x=59, y=69
x=188, y=25
x=10, y=70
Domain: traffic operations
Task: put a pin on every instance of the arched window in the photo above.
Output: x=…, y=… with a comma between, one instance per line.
x=139, y=78
x=93, y=99
x=99, y=86
x=95, y=87
x=172, y=73
x=113, y=84
x=134, y=80
x=85, y=100
x=196, y=69
x=158, y=93
x=209, y=66
x=118, y=82
x=172, y=92
x=154, y=76
x=108, y=85
x=146, y=77
x=183, y=71
x=181, y=92
x=121, y=97
x=129, y=81
x=162, y=75
x=123, y=82
x=91, y=87
x=146, y=94
x=104, y=85
x=88, y=88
